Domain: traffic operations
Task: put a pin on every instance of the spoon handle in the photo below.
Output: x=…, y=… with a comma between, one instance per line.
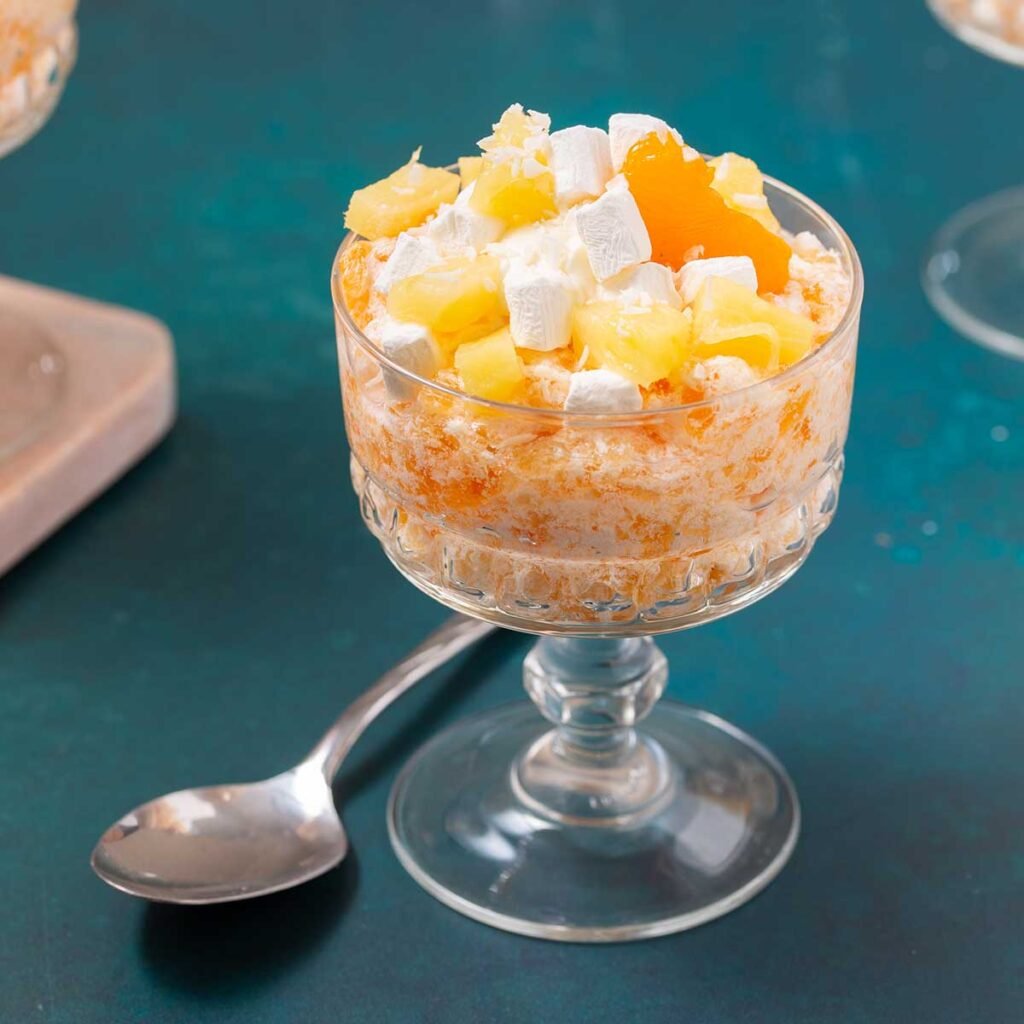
x=458, y=633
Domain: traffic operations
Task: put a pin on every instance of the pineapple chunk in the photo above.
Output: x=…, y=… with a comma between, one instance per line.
x=723, y=304
x=507, y=191
x=641, y=343
x=459, y=300
x=469, y=169
x=756, y=344
x=490, y=368
x=735, y=173
x=514, y=128
x=740, y=183
x=400, y=201
x=514, y=183
x=796, y=340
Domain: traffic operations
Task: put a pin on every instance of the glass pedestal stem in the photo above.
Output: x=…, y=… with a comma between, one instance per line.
x=594, y=768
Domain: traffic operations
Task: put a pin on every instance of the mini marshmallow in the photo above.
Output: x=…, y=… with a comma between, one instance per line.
x=581, y=162
x=411, y=346
x=602, y=391
x=646, y=283
x=575, y=262
x=625, y=130
x=532, y=243
x=458, y=226
x=412, y=254
x=614, y=233
x=540, y=301
x=736, y=268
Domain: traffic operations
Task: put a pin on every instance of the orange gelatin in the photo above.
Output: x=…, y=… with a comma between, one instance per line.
x=682, y=210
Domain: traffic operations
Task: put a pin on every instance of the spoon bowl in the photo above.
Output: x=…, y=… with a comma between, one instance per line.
x=221, y=843
x=216, y=844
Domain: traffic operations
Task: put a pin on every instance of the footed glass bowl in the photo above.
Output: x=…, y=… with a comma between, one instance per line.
x=995, y=28
x=607, y=815
x=31, y=366
x=973, y=269
x=29, y=95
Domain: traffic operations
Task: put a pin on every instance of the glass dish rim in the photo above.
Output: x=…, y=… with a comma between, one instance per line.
x=848, y=321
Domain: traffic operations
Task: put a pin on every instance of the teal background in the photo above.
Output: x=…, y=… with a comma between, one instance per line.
x=208, y=616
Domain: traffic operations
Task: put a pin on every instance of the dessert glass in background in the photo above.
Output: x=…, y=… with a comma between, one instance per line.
x=974, y=268
x=38, y=44
x=995, y=27
x=599, y=814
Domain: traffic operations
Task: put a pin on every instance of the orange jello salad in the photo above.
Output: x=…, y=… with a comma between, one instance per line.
x=1000, y=19
x=589, y=377
x=35, y=35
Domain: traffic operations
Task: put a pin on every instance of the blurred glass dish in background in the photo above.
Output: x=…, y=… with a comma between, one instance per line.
x=38, y=44
x=37, y=51
x=995, y=27
x=974, y=268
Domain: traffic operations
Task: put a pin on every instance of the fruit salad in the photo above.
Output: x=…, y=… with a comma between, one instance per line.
x=1000, y=19
x=35, y=36
x=589, y=375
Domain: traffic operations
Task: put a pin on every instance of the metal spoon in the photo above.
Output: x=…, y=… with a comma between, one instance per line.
x=223, y=843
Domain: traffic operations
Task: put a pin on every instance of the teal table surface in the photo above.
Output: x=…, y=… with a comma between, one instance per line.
x=206, y=617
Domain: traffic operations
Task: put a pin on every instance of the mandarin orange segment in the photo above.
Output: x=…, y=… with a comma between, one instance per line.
x=682, y=210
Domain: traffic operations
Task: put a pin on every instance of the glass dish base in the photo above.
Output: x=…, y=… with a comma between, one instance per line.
x=485, y=820
x=974, y=272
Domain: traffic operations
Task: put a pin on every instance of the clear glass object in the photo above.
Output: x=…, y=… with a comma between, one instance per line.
x=596, y=812
x=973, y=270
x=32, y=377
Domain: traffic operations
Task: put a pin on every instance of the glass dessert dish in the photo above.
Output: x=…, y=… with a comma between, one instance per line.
x=973, y=270
x=995, y=27
x=598, y=813
x=38, y=44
